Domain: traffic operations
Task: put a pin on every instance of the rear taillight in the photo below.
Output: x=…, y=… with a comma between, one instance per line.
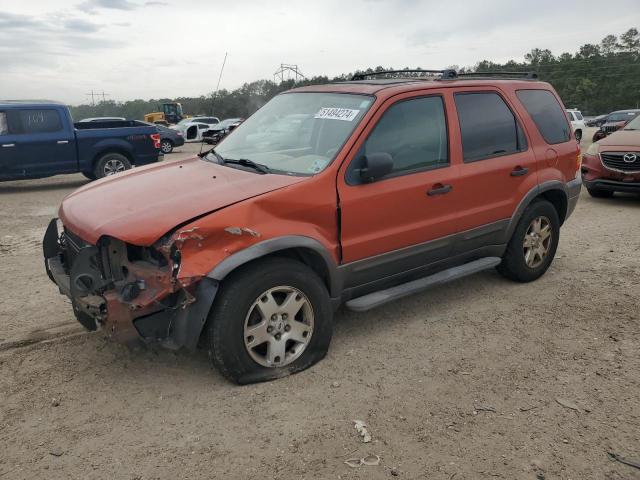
x=156, y=139
x=578, y=158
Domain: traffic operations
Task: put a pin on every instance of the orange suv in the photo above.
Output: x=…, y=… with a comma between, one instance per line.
x=359, y=192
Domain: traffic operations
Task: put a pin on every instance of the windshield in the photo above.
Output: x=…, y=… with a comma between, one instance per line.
x=296, y=133
x=633, y=124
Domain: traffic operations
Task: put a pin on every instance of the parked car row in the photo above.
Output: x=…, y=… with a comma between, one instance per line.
x=612, y=164
x=615, y=121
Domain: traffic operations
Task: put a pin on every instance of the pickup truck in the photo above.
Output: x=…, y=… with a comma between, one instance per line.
x=40, y=140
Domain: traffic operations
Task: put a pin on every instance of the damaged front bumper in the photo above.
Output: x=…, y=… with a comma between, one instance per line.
x=124, y=291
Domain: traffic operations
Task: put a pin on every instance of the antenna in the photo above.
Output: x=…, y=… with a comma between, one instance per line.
x=215, y=94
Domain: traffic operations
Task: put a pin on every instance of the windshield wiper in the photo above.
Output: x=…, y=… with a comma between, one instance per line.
x=259, y=167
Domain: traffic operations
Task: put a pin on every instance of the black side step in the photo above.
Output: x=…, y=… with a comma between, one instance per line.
x=381, y=297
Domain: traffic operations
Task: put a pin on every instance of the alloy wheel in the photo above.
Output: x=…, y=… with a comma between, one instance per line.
x=113, y=166
x=278, y=326
x=166, y=147
x=537, y=241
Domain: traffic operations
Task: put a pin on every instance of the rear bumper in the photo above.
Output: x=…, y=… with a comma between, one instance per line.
x=573, y=194
x=160, y=310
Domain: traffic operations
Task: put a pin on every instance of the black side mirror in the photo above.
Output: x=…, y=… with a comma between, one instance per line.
x=375, y=166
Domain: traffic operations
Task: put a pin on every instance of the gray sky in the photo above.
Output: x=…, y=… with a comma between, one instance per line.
x=60, y=50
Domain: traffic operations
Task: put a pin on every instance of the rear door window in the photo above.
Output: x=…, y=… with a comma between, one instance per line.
x=488, y=127
x=546, y=112
x=36, y=121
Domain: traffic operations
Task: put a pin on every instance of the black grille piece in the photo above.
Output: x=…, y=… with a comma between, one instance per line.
x=621, y=161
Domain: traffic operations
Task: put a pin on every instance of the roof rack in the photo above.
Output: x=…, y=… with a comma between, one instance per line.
x=448, y=74
x=526, y=75
x=445, y=74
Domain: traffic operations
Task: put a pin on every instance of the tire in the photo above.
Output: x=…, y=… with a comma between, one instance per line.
x=237, y=313
x=166, y=146
x=578, y=134
x=89, y=175
x=597, y=193
x=526, y=263
x=110, y=164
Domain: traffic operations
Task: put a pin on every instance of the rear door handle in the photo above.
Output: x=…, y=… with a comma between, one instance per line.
x=62, y=142
x=8, y=145
x=439, y=189
x=519, y=171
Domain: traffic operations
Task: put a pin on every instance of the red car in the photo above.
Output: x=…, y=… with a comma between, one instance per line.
x=376, y=189
x=613, y=163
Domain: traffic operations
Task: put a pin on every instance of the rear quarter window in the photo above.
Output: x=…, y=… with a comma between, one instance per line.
x=4, y=127
x=547, y=114
x=35, y=121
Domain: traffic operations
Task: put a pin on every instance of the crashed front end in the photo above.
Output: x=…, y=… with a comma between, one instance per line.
x=132, y=293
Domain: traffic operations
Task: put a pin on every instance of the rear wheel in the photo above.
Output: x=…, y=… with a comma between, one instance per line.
x=533, y=243
x=270, y=319
x=166, y=146
x=578, y=135
x=110, y=164
x=597, y=193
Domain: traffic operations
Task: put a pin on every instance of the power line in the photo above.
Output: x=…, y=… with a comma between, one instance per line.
x=93, y=96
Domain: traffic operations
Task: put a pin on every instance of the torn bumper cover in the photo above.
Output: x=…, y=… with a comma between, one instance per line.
x=129, y=292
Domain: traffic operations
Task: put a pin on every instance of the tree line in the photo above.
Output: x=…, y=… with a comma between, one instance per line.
x=598, y=78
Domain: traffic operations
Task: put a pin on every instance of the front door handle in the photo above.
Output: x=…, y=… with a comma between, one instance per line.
x=8, y=145
x=519, y=171
x=439, y=189
x=62, y=142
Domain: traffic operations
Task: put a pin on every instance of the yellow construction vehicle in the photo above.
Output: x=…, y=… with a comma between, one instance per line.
x=171, y=114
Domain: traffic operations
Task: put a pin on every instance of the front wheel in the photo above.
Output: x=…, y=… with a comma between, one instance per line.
x=533, y=243
x=270, y=319
x=110, y=164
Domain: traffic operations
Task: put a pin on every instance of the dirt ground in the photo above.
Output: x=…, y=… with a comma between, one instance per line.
x=558, y=360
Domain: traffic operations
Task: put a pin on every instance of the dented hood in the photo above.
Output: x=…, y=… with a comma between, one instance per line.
x=141, y=205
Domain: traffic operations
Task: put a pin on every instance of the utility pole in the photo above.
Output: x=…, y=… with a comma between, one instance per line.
x=93, y=96
x=290, y=70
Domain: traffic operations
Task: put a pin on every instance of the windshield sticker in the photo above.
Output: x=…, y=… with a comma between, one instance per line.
x=345, y=114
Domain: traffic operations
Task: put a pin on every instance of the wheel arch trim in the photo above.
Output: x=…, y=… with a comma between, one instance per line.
x=279, y=244
x=555, y=186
